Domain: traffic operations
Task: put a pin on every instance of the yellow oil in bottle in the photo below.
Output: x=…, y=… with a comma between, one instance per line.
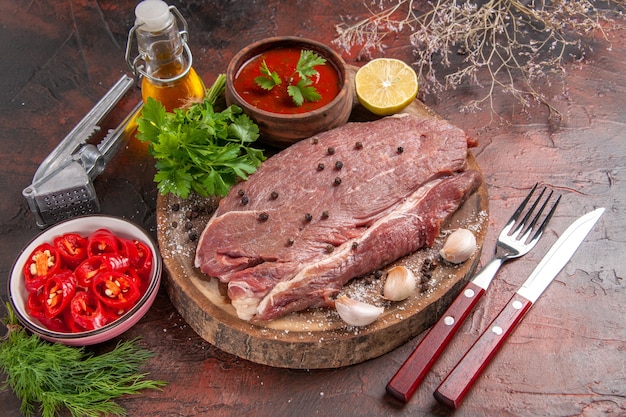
x=177, y=94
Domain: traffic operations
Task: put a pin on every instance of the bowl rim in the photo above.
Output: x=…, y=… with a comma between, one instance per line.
x=266, y=44
x=30, y=323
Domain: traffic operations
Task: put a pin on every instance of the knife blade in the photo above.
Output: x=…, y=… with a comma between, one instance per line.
x=457, y=384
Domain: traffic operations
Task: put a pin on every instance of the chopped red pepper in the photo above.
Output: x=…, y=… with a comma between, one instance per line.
x=67, y=318
x=103, y=241
x=140, y=257
x=116, y=290
x=42, y=262
x=35, y=304
x=78, y=283
x=58, y=292
x=89, y=268
x=86, y=311
x=72, y=248
x=56, y=324
x=93, y=265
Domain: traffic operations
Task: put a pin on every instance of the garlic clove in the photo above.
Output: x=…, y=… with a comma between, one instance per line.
x=400, y=283
x=459, y=246
x=357, y=313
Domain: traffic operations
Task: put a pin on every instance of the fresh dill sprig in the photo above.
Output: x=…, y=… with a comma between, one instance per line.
x=51, y=376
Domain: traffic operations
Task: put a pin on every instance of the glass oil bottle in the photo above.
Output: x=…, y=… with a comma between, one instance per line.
x=164, y=62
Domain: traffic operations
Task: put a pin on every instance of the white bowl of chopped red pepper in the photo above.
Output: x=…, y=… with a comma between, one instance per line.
x=85, y=280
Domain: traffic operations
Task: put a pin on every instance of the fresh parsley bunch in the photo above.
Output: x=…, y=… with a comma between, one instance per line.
x=198, y=148
x=303, y=89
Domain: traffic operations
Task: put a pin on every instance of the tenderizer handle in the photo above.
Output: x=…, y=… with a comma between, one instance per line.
x=83, y=130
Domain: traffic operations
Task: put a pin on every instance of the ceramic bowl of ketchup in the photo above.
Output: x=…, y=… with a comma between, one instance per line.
x=281, y=122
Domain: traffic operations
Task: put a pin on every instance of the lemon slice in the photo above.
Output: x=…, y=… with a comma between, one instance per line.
x=385, y=86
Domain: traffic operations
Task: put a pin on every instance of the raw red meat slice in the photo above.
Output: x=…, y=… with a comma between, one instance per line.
x=333, y=207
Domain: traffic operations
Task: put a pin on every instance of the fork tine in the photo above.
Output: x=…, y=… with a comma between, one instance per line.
x=522, y=224
x=522, y=206
x=543, y=225
x=535, y=219
x=543, y=207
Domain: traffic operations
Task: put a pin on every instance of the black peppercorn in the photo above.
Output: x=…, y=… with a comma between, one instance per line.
x=331, y=150
x=358, y=145
x=355, y=245
x=338, y=164
x=308, y=217
x=193, y=236
x=378, y=274
x=329, y=248
x=175, y=207
x=320, y=166
x=290, y=241
x=337, y=181
x=264, y=216
x=325, y=214
x=315, y=141
x=400, y=149
x=188, y=226
x=241, y=192
x=245, y=200
x=274, y=195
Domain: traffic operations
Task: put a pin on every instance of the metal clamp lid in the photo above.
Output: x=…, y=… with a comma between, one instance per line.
x=135, y=64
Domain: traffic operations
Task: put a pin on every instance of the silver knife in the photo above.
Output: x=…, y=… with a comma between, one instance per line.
x=459, y=381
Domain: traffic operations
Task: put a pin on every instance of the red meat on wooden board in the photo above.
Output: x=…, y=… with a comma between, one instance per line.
x=333, y=207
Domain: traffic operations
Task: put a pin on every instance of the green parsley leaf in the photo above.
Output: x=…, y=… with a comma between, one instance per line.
x=269, y=79
x=200, y=149
x=307, y=63
x=303, y=91
x=305, y=69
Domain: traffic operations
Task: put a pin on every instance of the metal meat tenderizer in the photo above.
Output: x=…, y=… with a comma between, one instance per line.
x=62, y=186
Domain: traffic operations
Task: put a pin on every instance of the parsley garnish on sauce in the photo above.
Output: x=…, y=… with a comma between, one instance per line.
x=198, y=148
x=302, y=89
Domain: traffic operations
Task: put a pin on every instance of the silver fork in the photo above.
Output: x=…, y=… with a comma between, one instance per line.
x=514, y=241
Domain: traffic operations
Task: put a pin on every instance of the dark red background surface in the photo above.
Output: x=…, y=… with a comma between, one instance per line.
x=566, y=359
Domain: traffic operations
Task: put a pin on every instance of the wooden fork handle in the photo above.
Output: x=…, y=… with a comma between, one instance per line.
x=406, y=380
x=457, y=384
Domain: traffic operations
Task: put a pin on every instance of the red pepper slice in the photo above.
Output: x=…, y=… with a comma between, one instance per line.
x=72, y=248
x=35, y=307
x=116, y=290
x=67, y=318
x=103, y=241
x=56, y=324
x=58, y=292
x=87, y=312
x=93, y=265
x=140, y=256
x=43, y=262
x=35, y=304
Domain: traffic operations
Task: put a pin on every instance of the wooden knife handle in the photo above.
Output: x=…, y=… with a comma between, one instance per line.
x=406, y=380
x=459, y=381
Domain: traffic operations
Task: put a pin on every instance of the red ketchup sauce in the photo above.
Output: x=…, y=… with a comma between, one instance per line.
x=283, y=61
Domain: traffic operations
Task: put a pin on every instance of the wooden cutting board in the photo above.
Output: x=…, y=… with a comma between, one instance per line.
x=314, y=338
